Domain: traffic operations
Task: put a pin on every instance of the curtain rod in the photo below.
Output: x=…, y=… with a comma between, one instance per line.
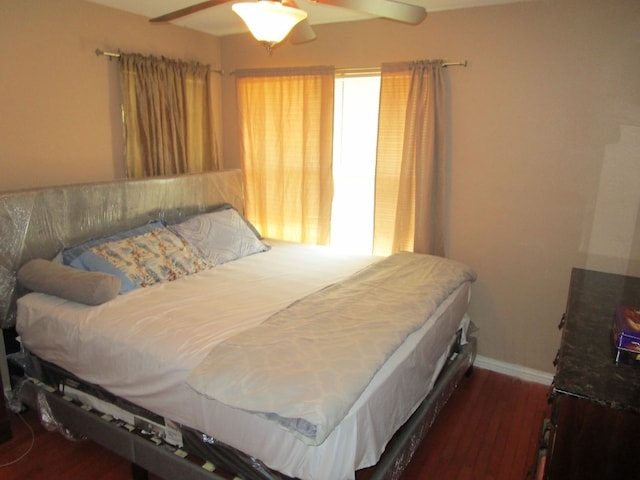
x=117, y=55
x=358, y=71
x=462, y=63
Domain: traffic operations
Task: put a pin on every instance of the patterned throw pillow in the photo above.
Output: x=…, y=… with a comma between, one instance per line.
x=142, y=260
x=156, y=256
x=71, y=253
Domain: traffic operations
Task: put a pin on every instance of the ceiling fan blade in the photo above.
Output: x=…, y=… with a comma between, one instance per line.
x=302, y=33
x=402, y=12
x=183, y=12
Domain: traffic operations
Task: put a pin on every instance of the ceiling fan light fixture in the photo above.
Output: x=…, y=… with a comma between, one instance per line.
x=269, y=21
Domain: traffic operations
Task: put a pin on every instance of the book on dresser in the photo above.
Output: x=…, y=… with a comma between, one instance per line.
x=626, y=334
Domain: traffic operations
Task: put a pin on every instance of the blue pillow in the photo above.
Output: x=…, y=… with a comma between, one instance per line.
x=71, y=253
x=90, y=262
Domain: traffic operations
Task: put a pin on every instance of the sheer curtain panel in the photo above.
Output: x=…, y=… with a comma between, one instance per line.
x=286, y=129
x=410, y=167
x=168, y=115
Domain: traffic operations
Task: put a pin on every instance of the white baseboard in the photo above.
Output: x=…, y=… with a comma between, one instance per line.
x=517, y=371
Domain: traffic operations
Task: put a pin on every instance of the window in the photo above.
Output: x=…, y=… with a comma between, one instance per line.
x=354, y=161
x=390, y=138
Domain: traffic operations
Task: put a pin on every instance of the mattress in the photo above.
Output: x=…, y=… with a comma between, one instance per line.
x=142, y=347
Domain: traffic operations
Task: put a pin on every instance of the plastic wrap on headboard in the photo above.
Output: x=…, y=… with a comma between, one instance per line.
x=39, y=223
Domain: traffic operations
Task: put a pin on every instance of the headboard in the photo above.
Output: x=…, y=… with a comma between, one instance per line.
x=39, y=223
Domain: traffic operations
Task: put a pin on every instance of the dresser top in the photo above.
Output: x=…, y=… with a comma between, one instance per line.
x=586, y=365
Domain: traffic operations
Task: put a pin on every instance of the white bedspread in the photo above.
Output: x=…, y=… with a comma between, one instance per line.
x=305, y=366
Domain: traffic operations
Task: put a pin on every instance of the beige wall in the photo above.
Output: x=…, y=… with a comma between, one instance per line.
x=60, y=119
x=545, y=147
x=545, y=131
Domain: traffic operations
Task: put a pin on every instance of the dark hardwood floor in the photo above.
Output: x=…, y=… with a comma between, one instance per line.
x=489, y=430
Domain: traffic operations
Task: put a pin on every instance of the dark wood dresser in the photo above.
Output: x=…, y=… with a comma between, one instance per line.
x=594, y=430
x=5, y=426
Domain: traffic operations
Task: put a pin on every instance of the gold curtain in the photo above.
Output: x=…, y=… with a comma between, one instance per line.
x=286, y=129
x=410, y=168
x=168, y=115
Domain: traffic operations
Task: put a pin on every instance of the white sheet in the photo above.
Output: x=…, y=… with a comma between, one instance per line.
x=173, y=326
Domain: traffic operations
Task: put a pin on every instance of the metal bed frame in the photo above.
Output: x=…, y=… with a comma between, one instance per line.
x=147, y=453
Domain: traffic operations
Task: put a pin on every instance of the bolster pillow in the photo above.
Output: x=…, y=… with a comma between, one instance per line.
x=90, y=288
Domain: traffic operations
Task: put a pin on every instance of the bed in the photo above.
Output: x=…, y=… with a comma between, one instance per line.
x=215, y=374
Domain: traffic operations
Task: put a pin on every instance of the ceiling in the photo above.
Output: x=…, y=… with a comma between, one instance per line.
x=221, y=20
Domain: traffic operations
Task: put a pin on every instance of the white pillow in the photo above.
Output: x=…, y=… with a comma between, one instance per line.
x=220, y=236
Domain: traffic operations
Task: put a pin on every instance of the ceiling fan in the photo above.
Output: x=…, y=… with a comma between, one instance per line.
x=270, y=21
